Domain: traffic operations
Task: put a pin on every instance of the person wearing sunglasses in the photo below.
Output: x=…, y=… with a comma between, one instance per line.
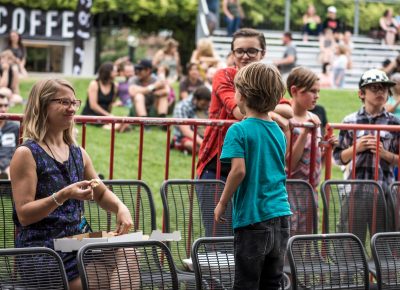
x=9, y=134
x=51, y=176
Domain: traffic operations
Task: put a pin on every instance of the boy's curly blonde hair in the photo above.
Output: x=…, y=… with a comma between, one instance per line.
x=261, y=85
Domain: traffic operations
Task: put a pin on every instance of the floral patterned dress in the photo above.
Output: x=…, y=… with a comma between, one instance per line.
x=64, y=220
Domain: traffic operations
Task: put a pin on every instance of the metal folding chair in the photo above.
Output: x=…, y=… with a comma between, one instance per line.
x=127, y=265
x=213, y=263
x=354, y=206
x=386, y=252
x=31, y=268
x=302, y=199
x=332, y=261
x=136, y=195
x=393, y=202
x=7, y=227
x=189, y=208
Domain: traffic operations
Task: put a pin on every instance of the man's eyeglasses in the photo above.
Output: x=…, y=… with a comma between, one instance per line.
x=377, y=87
x=251, y=52
x=67, y=103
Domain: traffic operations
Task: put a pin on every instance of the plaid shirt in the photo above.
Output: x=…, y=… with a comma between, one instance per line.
x=221, y=107
x=365, y=161
x=186, y=109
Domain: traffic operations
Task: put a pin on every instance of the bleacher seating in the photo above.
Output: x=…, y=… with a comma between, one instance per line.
x=367, y=53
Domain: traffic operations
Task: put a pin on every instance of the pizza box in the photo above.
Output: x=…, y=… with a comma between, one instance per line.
x=74, y=243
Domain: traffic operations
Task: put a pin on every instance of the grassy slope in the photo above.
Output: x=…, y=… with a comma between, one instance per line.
x=337, y=104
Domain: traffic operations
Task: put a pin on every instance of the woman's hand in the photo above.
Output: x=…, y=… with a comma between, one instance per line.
x=80, y=190
x=124, y=220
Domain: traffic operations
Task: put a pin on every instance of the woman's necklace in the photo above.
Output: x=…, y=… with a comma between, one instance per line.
x=52, y=154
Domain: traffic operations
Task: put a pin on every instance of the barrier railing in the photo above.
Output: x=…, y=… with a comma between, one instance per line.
x=168, y=122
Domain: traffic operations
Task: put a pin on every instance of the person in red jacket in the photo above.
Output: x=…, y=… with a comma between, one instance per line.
x=247, y=46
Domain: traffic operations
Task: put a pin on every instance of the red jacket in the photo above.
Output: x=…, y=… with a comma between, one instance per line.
x=221, y=107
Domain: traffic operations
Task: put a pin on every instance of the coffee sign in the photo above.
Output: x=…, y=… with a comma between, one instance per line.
x=34, y=23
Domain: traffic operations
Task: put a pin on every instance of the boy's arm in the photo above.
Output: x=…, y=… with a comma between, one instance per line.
x=235, y=177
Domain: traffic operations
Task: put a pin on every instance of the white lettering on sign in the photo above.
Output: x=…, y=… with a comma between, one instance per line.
x=3, y=13
x=88, y=3
x=67, y=24
x=76, y=70
x=79, y=51
x=18, y=20
x=50, y=23
x=35, y=21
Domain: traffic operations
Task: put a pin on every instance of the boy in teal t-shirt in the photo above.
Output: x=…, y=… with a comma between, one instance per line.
x=256, y=149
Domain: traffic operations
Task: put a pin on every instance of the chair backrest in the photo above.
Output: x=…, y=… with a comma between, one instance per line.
x=332, y=261
x=394, y=207
x=7, y=227
x=136, y=195
x=128, y=265
x=189, y=208
x=354, y=206
x=302, y=199
x=31, y=268
x=213, y=263
x=386, y=252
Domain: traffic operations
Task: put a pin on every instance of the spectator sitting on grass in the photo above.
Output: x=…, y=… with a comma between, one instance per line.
x=193, y=107
x=147, y=90
x=101, y=94
x=191, y=82
x=123, y=86
x=9, y=132
x=9, y=77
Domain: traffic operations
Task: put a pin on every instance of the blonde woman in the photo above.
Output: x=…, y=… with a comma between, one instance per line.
x=204, y=55
x=169, y=56
x=51, y=176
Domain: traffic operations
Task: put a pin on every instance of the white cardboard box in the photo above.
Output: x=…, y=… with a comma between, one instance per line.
x=74, y=243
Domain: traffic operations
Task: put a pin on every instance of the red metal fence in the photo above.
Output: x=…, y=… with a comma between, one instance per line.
x=170, y=122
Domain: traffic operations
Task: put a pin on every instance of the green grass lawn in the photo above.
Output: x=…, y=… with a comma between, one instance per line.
x=337, y=103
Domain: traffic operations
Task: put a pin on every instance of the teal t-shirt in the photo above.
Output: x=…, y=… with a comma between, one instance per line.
x=392, y=102
x=262, y=194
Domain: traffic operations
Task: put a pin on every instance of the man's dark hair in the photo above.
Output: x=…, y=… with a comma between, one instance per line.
x=249, y=32
x=288, y=35
x=202, y=93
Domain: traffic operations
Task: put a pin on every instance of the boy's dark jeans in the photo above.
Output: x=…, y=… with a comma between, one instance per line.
x=259, y=254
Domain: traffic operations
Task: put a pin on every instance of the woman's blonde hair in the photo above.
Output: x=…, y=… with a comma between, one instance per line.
x=169, y=44
x=261, y=85
x=205, y=47
x=301, y=77
x=35, y=125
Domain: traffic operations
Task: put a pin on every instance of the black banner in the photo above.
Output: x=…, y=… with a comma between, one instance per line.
x=34, y=23
x=82, y=32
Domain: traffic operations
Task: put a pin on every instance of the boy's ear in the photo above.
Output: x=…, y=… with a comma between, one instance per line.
x=361, y=95
x=293, y=90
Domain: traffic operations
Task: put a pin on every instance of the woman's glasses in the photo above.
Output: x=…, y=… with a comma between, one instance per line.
x=66, y=103
x=251, y=52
